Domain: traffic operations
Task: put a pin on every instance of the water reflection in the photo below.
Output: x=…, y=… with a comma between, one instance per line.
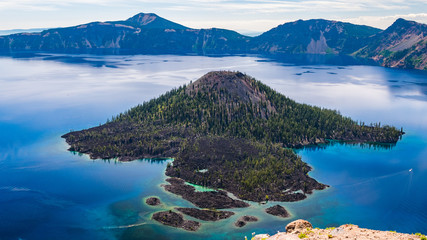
x=369, y=146
x=402, y=84
x=318, y=59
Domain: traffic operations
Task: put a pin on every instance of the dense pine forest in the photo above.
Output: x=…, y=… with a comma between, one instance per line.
x=232, y=127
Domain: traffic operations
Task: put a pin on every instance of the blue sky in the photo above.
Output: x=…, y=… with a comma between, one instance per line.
x=243, y=16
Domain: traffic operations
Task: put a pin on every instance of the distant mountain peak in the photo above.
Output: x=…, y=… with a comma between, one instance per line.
x=402, y=45
x=151, y=20
x=314, y=36
x=143, y=18
x=403, y=23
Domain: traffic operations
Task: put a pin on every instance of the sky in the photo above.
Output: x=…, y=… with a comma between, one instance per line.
x=245, y=16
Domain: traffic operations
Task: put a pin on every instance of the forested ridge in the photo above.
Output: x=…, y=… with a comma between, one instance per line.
x=196, y=122
x=402, y=45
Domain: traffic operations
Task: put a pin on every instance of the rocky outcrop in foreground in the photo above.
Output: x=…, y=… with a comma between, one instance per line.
x=301, y=229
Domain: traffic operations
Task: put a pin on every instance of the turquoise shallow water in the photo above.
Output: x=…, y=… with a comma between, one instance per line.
x=47, y=192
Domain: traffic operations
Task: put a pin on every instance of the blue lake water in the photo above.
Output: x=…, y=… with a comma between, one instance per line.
x=47, y=192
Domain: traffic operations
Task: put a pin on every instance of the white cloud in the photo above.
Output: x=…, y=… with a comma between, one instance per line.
x=302, y=6
x=252, y=5
x=242, y=15
x=385, y=21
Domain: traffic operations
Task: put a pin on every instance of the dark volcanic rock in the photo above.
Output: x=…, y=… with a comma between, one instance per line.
x=176, y=220
x=249, y=218
x=213, y=199
x=245, y=219
x=240, y=223
x=210, y=153
x=153, y=201
x=206, y=215
x=277, y=210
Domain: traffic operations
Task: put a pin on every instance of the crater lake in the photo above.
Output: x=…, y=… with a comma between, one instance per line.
x=47, y=192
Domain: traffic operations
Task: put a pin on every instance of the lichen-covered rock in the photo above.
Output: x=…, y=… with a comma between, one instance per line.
x=298, y=226
x=260, y=237
x=344, y=232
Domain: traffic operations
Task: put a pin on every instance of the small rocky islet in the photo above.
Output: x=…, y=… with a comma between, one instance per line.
x=242, y=221
x=173, y=219
x=277, y=210
x=153, y=201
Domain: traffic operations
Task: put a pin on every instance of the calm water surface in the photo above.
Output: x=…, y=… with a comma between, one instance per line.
x=47, y=192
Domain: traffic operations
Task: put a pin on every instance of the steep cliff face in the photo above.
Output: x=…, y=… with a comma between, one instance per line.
x=316, y=36
x=402, y=45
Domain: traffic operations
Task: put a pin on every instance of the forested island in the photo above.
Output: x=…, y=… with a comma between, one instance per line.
x=228, y=130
